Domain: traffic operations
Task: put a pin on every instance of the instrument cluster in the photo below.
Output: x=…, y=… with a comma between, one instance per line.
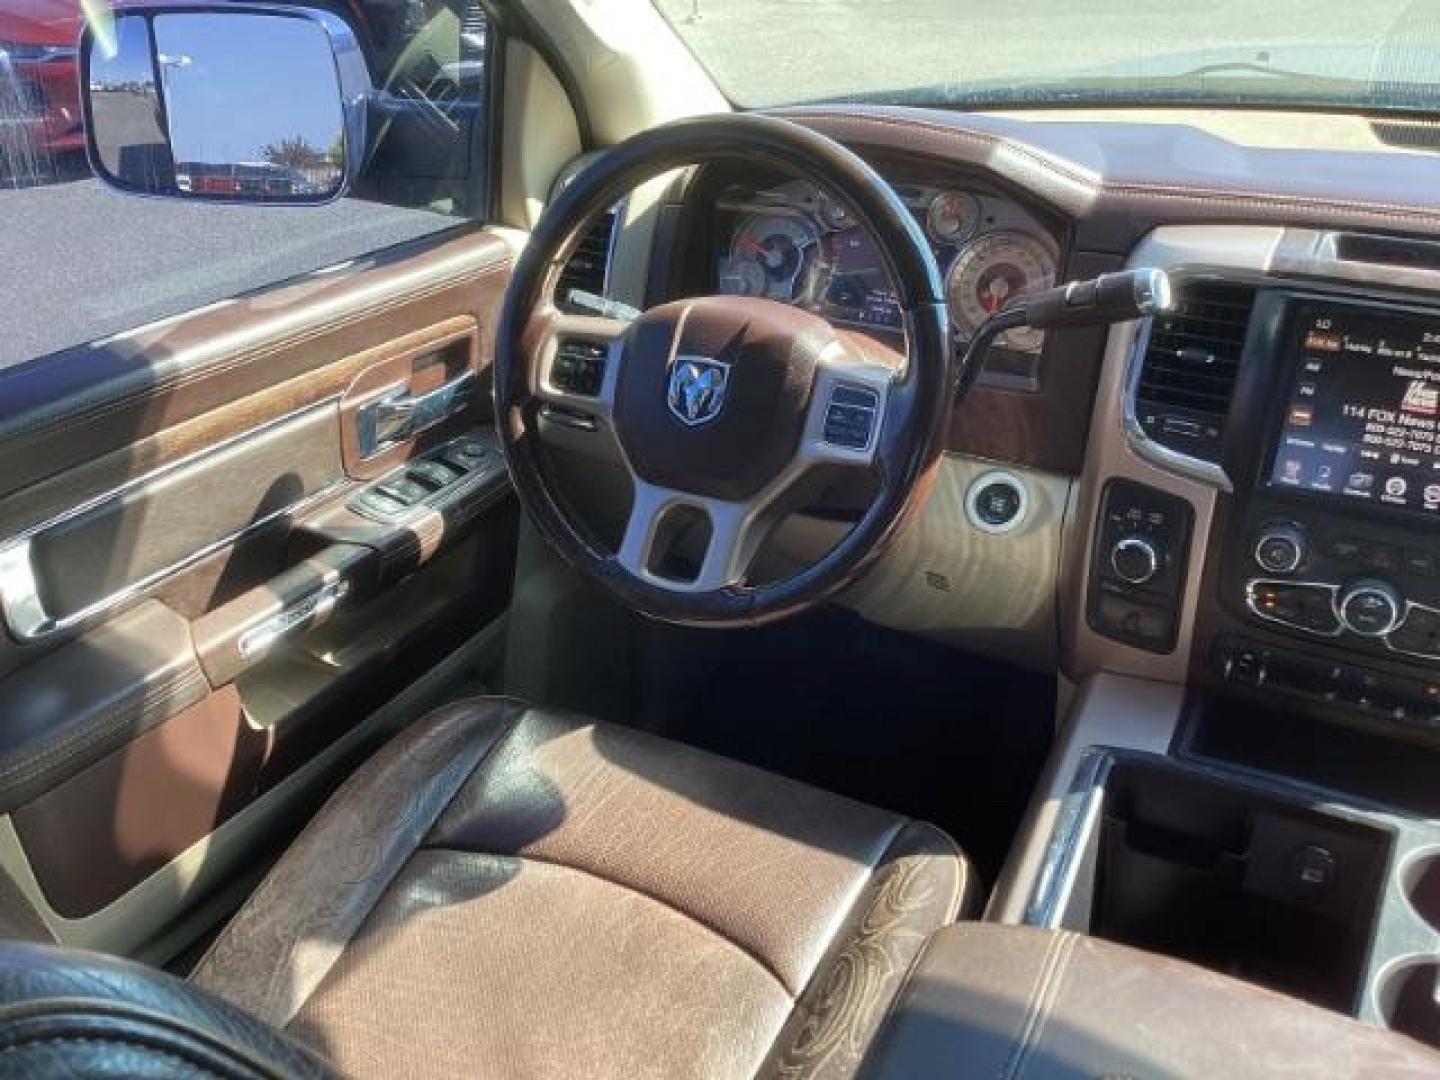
x=795, y=244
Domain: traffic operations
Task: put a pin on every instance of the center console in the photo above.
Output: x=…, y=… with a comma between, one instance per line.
x=1327, y=583
x=1246, y=777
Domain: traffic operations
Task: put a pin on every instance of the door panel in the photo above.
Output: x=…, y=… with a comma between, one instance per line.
x=222, y=621
x=100, y=833
x=182, y=512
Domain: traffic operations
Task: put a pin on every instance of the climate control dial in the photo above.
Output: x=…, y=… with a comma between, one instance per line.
x=1371, y=608
x=1281, y=548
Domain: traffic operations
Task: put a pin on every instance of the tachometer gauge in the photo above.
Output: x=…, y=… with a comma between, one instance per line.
x=952, y=216
x=990, y=275
x=770, y=255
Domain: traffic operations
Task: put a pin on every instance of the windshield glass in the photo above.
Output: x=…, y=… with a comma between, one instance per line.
x=1376, y=55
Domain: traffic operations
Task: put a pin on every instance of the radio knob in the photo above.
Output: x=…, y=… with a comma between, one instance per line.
x=1281, y=548
x=1371, y=608
x=1135, y=559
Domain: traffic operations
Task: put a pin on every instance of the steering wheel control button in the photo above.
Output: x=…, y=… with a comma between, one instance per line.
x=1371, y=608
x=1135, y=560
x=996, y=502
x=850, y=417
x=1280, y=549
x=578, y=367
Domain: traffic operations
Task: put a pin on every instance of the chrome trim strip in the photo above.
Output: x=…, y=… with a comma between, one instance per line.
x=1410, y=608
x=1079, y=812
x=21, y=605
x=1157, y=454
x=617, y=222
x=169, y=467
x=24, y=611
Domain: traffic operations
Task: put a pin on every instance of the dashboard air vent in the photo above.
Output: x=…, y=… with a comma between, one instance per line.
x=586, y=270
x=1190, y=365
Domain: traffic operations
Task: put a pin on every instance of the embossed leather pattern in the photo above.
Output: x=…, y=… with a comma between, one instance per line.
x=1012, y=1002
x=923, y=882
x=590, y=900
x=274, y=953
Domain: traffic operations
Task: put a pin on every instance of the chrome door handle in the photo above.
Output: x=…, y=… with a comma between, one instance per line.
x=399, y=415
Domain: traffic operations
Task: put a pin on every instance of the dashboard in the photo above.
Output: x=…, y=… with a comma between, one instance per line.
x=789, y=241
x=1241, y=500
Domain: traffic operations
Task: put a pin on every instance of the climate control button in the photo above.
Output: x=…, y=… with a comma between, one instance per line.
x=1371, y=608
x=1281, y=548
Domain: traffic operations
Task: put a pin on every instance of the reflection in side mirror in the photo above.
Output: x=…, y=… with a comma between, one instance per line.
x=230, y=104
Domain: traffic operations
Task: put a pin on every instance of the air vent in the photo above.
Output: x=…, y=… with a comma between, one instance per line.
x=1191, y=361
x=586, y=270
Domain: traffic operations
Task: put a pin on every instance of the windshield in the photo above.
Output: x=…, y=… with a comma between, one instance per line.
x=1375, y=55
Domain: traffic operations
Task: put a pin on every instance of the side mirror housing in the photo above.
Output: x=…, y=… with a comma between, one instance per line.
x=224, y=102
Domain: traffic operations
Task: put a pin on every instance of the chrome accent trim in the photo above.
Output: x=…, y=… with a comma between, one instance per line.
x=554, y=415
x=1268, y=533
x=1410, y=608
x=24, y=610
x=1153, y=292
x=972, y=499
x=398, y=415
x=1399, y=607
x=120, y=490
x=297, y=616
x=1139, y=441
x=1326, y=586
x=21, y=605
x=617, y=222
x=1079, y=811
x=1152, y=556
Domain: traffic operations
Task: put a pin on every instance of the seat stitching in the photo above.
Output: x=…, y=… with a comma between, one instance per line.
x=1057, y=956
x=1052, y=991
x=1013, y=1060
x=759, y=961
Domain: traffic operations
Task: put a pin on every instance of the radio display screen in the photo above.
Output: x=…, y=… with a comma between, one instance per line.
x=1363, y=412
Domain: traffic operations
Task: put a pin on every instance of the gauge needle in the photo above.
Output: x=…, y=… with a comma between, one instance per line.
x=772, y=259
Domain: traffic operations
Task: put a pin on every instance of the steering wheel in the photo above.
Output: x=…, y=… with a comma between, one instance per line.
x=721, y=404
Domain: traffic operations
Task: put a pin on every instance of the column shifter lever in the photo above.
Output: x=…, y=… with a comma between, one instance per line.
x=1109, y=298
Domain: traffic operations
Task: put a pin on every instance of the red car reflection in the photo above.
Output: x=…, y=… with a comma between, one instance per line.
x=38, y=70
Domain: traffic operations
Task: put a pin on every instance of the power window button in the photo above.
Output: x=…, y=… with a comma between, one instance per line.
x=403, y=490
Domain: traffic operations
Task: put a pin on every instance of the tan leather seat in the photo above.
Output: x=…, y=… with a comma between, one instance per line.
x=509, y=892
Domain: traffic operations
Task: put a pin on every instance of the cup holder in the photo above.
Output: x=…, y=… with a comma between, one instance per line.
x=1421, y=881
x=1407, y=999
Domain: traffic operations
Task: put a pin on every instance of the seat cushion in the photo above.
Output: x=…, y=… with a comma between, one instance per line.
x=508, y=891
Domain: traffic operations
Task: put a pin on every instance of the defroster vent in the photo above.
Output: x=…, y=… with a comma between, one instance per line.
x=1191, y=361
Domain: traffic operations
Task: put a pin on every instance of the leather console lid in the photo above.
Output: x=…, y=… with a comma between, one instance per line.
x=1012, y=1001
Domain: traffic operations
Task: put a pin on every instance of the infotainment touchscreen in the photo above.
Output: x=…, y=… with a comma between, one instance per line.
x=1363, y=410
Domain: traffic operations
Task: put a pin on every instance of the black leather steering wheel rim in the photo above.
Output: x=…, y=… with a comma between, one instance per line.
x=919, y=402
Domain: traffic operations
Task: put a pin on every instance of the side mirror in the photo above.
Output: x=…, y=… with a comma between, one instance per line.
x=224, y=102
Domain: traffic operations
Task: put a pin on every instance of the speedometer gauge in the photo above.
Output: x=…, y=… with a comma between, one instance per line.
x=991, y=274
x=770, y=256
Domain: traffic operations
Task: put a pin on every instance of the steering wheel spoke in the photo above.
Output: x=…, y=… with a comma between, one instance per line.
x=661, y=518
